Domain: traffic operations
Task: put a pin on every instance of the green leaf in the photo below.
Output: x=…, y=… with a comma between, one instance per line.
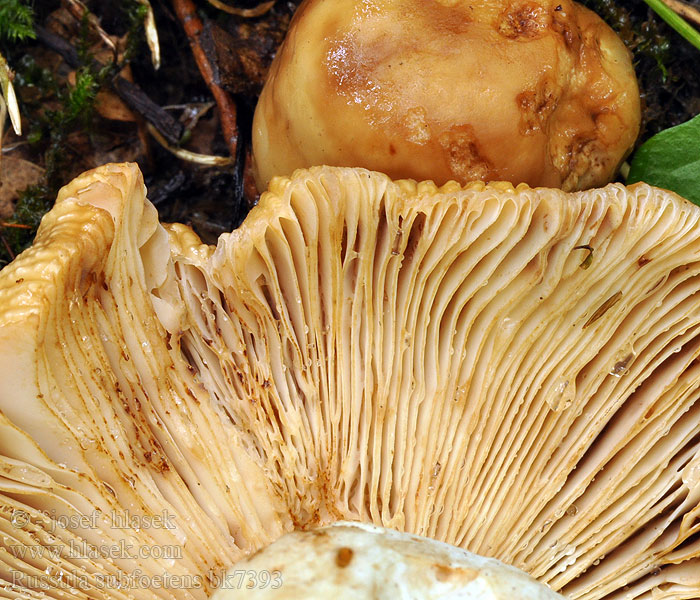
x=671, y=160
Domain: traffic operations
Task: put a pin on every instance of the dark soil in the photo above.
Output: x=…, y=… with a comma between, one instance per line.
x=58, y=144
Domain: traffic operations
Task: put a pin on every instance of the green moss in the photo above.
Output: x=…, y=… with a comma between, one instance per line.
x=80, y=101
x=16, y=21
x=135, y=14
x=31, y=207
x=52, y=111
x=32, y=204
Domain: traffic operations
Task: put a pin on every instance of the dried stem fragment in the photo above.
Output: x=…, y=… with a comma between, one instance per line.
x=248, y=13
x=132, y=94
x=192, y=24
x=684, y=9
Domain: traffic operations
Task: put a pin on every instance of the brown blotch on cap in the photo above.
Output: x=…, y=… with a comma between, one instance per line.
x=343, y=557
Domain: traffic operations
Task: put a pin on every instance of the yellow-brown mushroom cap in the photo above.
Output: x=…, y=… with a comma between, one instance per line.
x=541, y=92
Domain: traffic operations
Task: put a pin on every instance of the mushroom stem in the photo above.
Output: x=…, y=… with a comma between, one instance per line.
x=349, y=560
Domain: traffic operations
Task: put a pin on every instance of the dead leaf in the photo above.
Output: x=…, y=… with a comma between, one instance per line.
x=107, y=103
x=16, y=174
x=110, y=106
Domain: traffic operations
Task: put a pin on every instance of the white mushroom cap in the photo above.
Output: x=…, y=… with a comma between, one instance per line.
x=347, y=561
x=513, y=371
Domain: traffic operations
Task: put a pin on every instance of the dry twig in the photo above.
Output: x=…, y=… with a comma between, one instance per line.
x=192, y=24
x=685, y=10
x=10, y=253
x=8, y=100
x=80, y=12
x=189, y=156
x=14, y=225
x=247, y=13
x=134, y=97
x=151, y=34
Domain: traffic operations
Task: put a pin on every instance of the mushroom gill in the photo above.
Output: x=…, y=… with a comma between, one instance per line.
x=510, y=370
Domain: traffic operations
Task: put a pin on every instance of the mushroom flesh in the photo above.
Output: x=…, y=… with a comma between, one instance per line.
x=347, y=561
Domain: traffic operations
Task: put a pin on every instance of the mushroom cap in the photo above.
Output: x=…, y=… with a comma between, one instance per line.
x=347, y=561
x=513, y=371
x=534, y=91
